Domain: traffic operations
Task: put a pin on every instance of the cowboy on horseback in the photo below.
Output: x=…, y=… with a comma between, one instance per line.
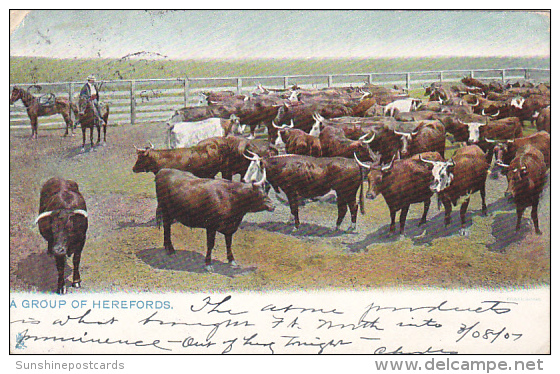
x=90, y=92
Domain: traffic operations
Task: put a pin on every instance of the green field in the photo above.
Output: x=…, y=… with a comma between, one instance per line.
x=46, y=70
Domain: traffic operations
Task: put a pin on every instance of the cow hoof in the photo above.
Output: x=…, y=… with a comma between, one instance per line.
x=61, y=291
x=209, y=268
x=352, y=228
x=77, y=284
x=538, y=232
x=464, y=232
x=83, y=150
x=234, y=265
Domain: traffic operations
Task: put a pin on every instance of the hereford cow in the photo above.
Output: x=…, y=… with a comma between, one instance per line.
x=402, y=183
x=63, y=222
x=543, y=120
x=303, y=177
x=461, y=176
x=506, y=151
x=429, y=136
x=526, y=176
x=216, y=205
x=298, y=142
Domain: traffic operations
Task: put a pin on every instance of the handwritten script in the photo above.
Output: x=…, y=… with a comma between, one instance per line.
x=351, y=323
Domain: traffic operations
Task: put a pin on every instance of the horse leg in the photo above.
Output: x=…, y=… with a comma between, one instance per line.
x=34, y=126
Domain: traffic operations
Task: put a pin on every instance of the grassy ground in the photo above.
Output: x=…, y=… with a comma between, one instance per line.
x=124, y=250
x=28, y=69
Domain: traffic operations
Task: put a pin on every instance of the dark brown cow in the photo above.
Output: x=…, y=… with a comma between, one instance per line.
x=212, y=204
x=298, y=142
x=303, y=177
x=63, y=223
x=402, y=183
x=464, y=174
x=526, y=176
x=427, y=137
x=335, y=144
x=506, y=151
x=543, y=120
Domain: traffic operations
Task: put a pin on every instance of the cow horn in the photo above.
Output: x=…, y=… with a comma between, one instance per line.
x=363, y=138
x=42, y=215
x=276, y=127
x=490, y=140
x=151, y=145
x=501, y=164
x=361, y=164
x=389, y=166
x=254, y=156
x=81, y=211
x=495, y=115
x=291, y=125
x=510, y=141
x=400, y=133
x=429, y=161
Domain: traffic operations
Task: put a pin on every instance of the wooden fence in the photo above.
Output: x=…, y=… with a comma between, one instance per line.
x=155, y=100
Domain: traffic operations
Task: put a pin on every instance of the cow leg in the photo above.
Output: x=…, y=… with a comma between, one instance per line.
x=425, y=214
x=229, y=252
x=76, y=280
x=463, y=214
x=392, y=213
x=353, y=206
x=520, y=211
x=91, y=137
x=167, y=244
x=83, y=139
x=104, y=133
x=535, y=217
x=402, y=218
x=98, y=132
x=342, y=209
x=68, y=122
x=483, y=197
x=293, y=200
x=447, y=206
x=210, y=241
x=252, y=130
x=60, y=264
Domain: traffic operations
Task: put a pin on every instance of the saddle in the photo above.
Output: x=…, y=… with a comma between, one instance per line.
x=47, y=100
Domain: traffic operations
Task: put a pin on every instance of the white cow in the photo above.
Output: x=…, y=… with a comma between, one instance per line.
x=187, y=134
x=401, y=105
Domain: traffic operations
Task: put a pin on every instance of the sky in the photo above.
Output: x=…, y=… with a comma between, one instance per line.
x=219, y=34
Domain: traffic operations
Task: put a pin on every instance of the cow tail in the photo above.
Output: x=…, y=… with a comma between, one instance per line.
x=362, y=205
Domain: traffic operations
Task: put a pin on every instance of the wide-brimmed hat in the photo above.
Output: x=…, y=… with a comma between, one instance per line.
x=91, y=77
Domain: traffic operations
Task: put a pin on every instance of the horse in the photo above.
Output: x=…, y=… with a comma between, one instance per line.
x=36, y=109
x=88, y=120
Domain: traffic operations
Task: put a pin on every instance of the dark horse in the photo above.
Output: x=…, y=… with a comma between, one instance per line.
x=35, y=109
x=88, y=120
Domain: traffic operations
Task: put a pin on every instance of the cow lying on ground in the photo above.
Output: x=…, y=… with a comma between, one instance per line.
x=216, y=205
x=63, y=223
x=402, y=183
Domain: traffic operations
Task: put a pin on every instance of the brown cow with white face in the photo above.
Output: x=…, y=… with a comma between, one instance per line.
x=526, y=176
x=458, y=178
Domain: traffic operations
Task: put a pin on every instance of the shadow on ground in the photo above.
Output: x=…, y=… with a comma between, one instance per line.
x=38, y=270
x=305, y=229
x=190, y=261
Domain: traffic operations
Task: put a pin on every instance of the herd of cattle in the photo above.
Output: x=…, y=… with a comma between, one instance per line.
x=323, y=140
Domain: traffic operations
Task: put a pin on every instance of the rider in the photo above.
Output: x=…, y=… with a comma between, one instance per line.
x=90, y=92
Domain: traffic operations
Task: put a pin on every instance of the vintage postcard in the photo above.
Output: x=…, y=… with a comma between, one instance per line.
x=293, y=182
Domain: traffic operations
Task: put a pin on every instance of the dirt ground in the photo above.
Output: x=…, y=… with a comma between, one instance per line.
x=124, y=248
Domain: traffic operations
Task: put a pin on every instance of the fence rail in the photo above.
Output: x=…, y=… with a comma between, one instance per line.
x=153, y=100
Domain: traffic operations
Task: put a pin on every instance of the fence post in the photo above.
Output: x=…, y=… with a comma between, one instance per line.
x=132, y=103
x=408, y=81
x=329, y=80
x=186, y=89
x=239, y=86
x=70, y=94
x=286, y=83
x=441, y=76
x=503, y=76
x=527, y=74
x=472, y=74
x=370, y=78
